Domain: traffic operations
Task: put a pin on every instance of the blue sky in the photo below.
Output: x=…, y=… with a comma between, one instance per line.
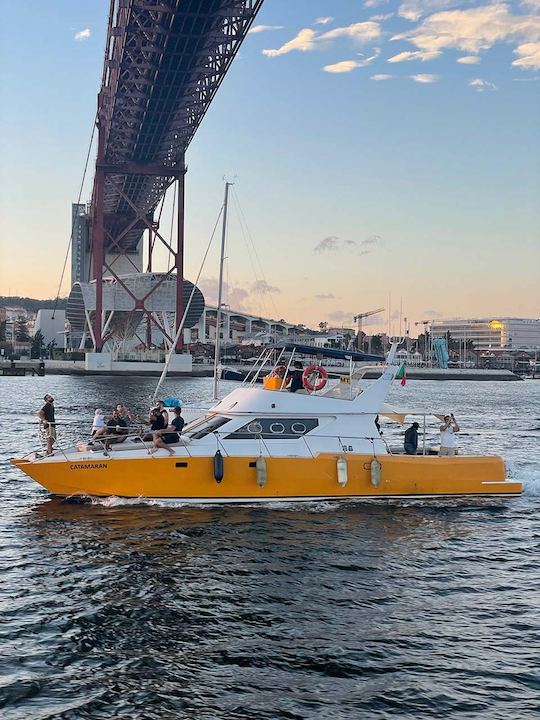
x=378, y=148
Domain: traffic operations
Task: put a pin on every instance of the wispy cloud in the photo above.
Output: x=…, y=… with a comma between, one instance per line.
x=528, y=56
x=361, y=32
x=367, y=246
x=414, y=9
x=236, y=297
x=422, y=55
x=261, y=287
x=323, y=21
x=481, y=85
x=303, y=42
x=476, y=29
x=328, y=296
x=347, y=65
x=308, y=39
x=344, y=66
x=333, y=244
x=330, y=243
x=82, y=34
x=382, y=17
x=424, y=78
x=368, y=60
x=374, y=3
x=342, y=316
x=469, y=60
x=381, y=77
x=264, y=28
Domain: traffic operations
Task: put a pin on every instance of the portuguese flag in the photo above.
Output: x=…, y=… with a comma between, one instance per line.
x=401, y=375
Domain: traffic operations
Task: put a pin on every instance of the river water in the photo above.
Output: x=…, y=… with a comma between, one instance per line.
x=327, y=611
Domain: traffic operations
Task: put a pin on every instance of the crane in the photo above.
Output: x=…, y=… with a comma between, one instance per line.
x=358, y=319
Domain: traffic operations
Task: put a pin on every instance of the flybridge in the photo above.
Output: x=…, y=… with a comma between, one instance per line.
x=331, y=353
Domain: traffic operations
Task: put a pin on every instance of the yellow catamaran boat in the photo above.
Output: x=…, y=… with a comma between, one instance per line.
x=263, y=443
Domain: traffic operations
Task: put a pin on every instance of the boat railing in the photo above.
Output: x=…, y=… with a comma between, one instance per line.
x=108, y=443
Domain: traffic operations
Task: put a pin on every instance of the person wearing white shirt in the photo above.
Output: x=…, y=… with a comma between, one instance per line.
x=98, y=422
x=448, y=436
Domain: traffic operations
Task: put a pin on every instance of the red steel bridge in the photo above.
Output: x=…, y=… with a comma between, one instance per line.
x=164, y=62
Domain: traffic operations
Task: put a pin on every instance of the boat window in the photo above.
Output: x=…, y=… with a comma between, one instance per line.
x=209, y=427
x=282, y=428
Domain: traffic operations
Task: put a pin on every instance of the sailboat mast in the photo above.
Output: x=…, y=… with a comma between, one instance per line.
x=217, y=351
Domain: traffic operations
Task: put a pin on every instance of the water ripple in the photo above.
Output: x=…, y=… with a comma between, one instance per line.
x=326, y=611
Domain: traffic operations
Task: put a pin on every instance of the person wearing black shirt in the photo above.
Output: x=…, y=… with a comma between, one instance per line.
x=46, y=416
x=296, y=377
x=170, y=434
x=116, y=429
x=157, y=422
x=410, y=442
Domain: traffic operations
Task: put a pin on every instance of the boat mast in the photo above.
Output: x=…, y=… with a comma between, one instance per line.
x=217, y=351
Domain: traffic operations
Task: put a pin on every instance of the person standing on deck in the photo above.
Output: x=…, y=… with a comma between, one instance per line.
x=448, y=437
x=295, y=376
x=46, y=417
x=410, y=441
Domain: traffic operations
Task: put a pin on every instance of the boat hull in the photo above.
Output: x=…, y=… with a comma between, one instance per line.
x=287, y=478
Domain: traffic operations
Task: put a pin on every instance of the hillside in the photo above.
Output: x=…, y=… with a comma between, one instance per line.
x=31, y=304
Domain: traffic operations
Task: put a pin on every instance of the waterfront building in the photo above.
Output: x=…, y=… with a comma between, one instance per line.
x=79, y=243
x=491, y=334
x=51, y=323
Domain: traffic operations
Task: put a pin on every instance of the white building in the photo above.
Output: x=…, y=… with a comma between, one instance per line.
x=495, y=334
x=51, y=323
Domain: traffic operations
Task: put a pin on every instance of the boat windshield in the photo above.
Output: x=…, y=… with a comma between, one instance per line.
x=205, y=426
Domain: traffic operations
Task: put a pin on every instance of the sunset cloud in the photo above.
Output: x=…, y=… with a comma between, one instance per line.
x=261, y=287
x=344, y=66
x=529, y=56
x=381, y=77
x=323, y=21
x=303, y=42
x=308, y=39
x=330, y=243
x=469, y=60
x=473, y=29
x=422, y=55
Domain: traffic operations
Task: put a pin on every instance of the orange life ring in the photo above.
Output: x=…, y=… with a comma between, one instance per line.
x=319, y=382
x=279, y=371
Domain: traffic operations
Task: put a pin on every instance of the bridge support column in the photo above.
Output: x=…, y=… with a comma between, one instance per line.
x=179, y=259
x=98, y=241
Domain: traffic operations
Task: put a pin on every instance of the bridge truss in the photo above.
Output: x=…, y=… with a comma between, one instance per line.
x=164, y=62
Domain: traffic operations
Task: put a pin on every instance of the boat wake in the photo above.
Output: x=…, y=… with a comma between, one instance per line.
x=527, y=473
